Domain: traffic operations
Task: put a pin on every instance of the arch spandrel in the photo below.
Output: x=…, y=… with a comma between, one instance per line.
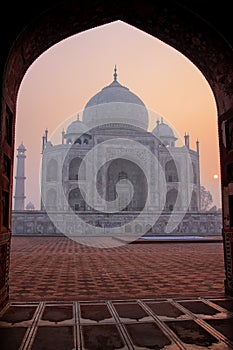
x=171, y=23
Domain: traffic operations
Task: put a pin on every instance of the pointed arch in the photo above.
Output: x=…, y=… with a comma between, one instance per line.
x=74, y=173
x=76, y=200
x=171, y=172
x=52, y=170
x=51, y=199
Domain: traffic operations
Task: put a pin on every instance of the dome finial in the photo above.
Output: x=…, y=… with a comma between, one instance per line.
x=115, y=73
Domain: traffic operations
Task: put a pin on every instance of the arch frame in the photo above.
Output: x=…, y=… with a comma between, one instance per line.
x=44, y=24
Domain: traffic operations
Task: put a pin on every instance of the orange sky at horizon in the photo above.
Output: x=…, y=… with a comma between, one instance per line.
x=62, y=80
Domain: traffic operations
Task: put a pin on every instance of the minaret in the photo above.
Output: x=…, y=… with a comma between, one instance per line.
x=44, y=140
x=46, y=135
x=186, y=140
x=43, y=143
x=20, y=179
x=62, y=137
x=198, y=174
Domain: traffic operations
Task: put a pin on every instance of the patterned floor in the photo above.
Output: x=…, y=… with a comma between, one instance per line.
x=138, y=324
x=57, y=268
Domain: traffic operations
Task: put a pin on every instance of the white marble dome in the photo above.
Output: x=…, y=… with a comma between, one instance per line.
x=115, y=103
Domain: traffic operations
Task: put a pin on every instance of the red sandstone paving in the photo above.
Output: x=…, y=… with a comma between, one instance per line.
x=58, y=269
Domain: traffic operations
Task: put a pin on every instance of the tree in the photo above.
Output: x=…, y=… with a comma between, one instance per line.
x=206, y=198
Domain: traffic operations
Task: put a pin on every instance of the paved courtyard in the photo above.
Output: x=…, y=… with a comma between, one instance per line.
x=59, y=269
x=68, y=296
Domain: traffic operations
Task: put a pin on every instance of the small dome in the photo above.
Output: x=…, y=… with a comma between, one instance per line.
x=21, y=148
x=163, y=130
x=165, y=134
x=115, y=103
x=77, y=127
x=30, y=206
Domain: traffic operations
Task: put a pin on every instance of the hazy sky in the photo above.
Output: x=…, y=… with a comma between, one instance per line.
x=62, y=80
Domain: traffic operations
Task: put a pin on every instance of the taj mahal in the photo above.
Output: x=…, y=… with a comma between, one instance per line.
x=109, y=171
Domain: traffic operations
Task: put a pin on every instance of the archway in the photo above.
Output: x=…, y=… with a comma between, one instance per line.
x=123, y=170
x=171, y=199
x=171, y=171
x=74, y=169
x=169, y=21
x=76, y=200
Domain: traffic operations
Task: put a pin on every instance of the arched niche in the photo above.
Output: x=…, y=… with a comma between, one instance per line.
x=76, y=200
x=51, y=170
x=171, y=172
x=74, y=172
x=51, y=199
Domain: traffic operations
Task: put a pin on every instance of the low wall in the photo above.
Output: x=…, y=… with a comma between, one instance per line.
x=39, y=223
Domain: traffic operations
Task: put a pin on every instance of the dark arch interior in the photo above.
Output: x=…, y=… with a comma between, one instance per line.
x=123, y=169
x=192, y=28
